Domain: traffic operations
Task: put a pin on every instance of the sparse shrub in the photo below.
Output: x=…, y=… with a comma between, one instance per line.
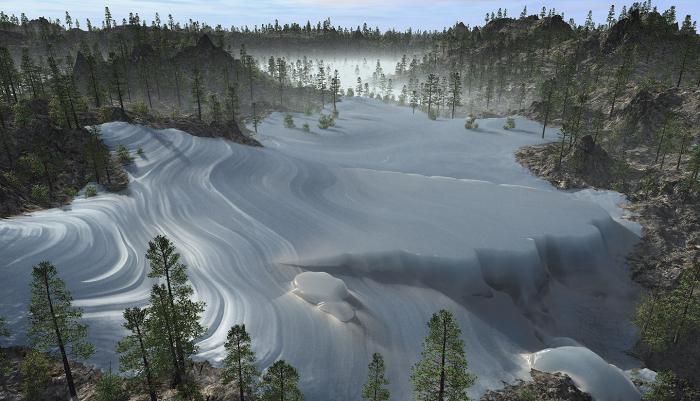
x=306, y=127
x=105, y=114
x=34, y=371
x=471, y=123
x=527, y=395
x=432, y=115
x=664, y=388
x=140, y=108
x=139, y=151
x=70, y=192
x=289, y=121
x=23, y=114
x=40, y=193
x=11, y=178
x=110, y=387
x=510, y=123
x=123, y=154
x=350, y=92
x=90, y=191
x=56, y=112
x=324, y=122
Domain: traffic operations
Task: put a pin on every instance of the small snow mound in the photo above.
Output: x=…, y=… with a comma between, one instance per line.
x=328, y=293
x=588, y=370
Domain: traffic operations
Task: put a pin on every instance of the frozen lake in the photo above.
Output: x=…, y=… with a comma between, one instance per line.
x=388, y=215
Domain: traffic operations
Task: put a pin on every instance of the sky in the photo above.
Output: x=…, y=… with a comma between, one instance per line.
x=386, y=14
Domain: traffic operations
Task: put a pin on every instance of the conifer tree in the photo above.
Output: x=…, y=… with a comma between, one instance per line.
x=414, y=101
x=4, y=365
x=321, y=82
x=97, y=154
x=335, y=88
x=54, y=321
x=239, y=366
x=173, y=321
x=281, y=75
x=214, y=108
x=134, y=354
x=232, y=101
x=117, y=82
x=611, y=16
x=430, y=90
x=441, y=374
x=455, y=91
x=281, y=383
x=547, y=91
x=197, y=91
x=374, y=389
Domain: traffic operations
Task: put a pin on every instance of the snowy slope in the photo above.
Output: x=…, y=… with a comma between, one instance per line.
x=405, y=215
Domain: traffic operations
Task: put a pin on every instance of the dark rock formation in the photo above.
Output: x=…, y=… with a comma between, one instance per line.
x=543, y=387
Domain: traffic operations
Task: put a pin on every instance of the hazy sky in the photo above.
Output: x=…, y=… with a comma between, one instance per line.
x=400, y=14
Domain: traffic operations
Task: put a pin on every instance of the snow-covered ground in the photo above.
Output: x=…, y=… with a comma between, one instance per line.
x=338, y=243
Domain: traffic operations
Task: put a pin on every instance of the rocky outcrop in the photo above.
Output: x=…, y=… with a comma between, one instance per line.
x=84, y=376
x=543, y=387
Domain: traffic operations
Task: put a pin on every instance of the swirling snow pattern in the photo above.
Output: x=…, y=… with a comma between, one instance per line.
x=413, y=215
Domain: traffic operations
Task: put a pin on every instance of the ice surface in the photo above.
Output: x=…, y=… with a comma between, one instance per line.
x=412, y=215
x=589, y=371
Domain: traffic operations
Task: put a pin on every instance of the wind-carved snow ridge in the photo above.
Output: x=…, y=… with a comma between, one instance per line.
x=338, y=243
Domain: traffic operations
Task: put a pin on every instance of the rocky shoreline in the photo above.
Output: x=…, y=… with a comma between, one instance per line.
x=543, y=387
x=661, y=201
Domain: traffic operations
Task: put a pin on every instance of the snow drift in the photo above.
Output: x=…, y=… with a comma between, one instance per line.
x=338, y=243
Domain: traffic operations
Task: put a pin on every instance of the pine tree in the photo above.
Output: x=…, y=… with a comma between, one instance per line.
x=281, y=75
x=54, y=321
x=335, y=88
x=197, y=91
x=116, y=81
x=547, y=90
x=611, y=16
x=281, y=383
x=441, y=374
x=173, y=321
x=97, y=154
x=321, y=82
x=414, y=101
x=134, y=355
x=231, y=102
x=4, y=365
x=239, y=364
x=214, y=108
x=374, y=389
x=455, y=91
x=430, y=90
